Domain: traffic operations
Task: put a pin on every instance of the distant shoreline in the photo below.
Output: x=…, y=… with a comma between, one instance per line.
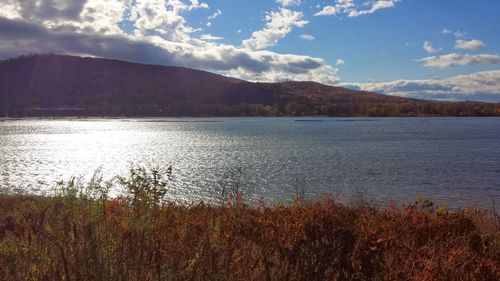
x=309, y=118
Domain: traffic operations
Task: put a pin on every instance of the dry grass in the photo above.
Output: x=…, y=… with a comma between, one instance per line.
x=81, y=234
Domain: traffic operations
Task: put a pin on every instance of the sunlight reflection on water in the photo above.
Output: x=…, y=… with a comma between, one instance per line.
x=452, y=160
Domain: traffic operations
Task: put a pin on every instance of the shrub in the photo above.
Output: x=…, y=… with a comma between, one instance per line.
x=81, y=233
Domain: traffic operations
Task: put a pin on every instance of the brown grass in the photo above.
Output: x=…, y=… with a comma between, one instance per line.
x=81, y=234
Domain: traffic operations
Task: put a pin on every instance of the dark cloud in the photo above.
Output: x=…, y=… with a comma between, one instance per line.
x=298, y=67
x=230, y=58
x=27, y=37
x=18, y=29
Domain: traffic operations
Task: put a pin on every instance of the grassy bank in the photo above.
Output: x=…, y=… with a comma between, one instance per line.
x=80, y=233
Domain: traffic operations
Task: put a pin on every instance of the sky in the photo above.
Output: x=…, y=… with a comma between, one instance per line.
x=444, y=50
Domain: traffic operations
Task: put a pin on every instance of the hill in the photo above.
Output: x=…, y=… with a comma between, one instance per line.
x=53, y=85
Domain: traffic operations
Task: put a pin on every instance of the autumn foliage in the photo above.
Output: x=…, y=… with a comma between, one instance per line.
x=59, y=85
x=82, y=234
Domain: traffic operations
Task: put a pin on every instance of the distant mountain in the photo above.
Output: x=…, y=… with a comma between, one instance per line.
x=54, y=85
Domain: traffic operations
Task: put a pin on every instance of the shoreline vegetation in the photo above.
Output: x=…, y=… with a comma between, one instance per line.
x=220, y=119
x=81, y=232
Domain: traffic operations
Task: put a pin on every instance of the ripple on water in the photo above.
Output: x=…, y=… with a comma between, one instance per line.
x=452, y=160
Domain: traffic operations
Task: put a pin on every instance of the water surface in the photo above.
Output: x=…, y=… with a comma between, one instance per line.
x=389, y=160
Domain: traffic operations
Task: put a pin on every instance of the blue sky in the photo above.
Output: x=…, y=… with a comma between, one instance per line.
x=417, y=48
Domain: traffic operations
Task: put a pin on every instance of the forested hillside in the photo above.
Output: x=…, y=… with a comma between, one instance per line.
x=55, y=85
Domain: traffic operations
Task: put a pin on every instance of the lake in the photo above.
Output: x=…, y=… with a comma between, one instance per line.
x=387, y=160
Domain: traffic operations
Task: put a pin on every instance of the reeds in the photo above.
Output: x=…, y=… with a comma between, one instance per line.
x=81, y=233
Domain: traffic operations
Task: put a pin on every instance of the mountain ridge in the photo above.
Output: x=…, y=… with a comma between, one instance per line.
x=55, y=85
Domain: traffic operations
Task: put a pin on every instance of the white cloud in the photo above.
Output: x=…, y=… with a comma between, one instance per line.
x=428, y=47
x=445, y=31
x=10, y=9
x=210, y=37
x=278, y=25
x=163, y=18
x=375, y=6
x=470, y=45
x=459, y=59
x=460, y=34
x=351, y=9
x=340, y=62
x=215, y=15
x=326, y=11
x=286, y=3
x=307, y=37
x=341, y=6
x=101, y=16
x=475, y=86
x=195, y=4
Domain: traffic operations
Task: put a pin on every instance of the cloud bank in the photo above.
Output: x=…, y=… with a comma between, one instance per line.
x=454, y=59
x=158, y=34
x=483, y=85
